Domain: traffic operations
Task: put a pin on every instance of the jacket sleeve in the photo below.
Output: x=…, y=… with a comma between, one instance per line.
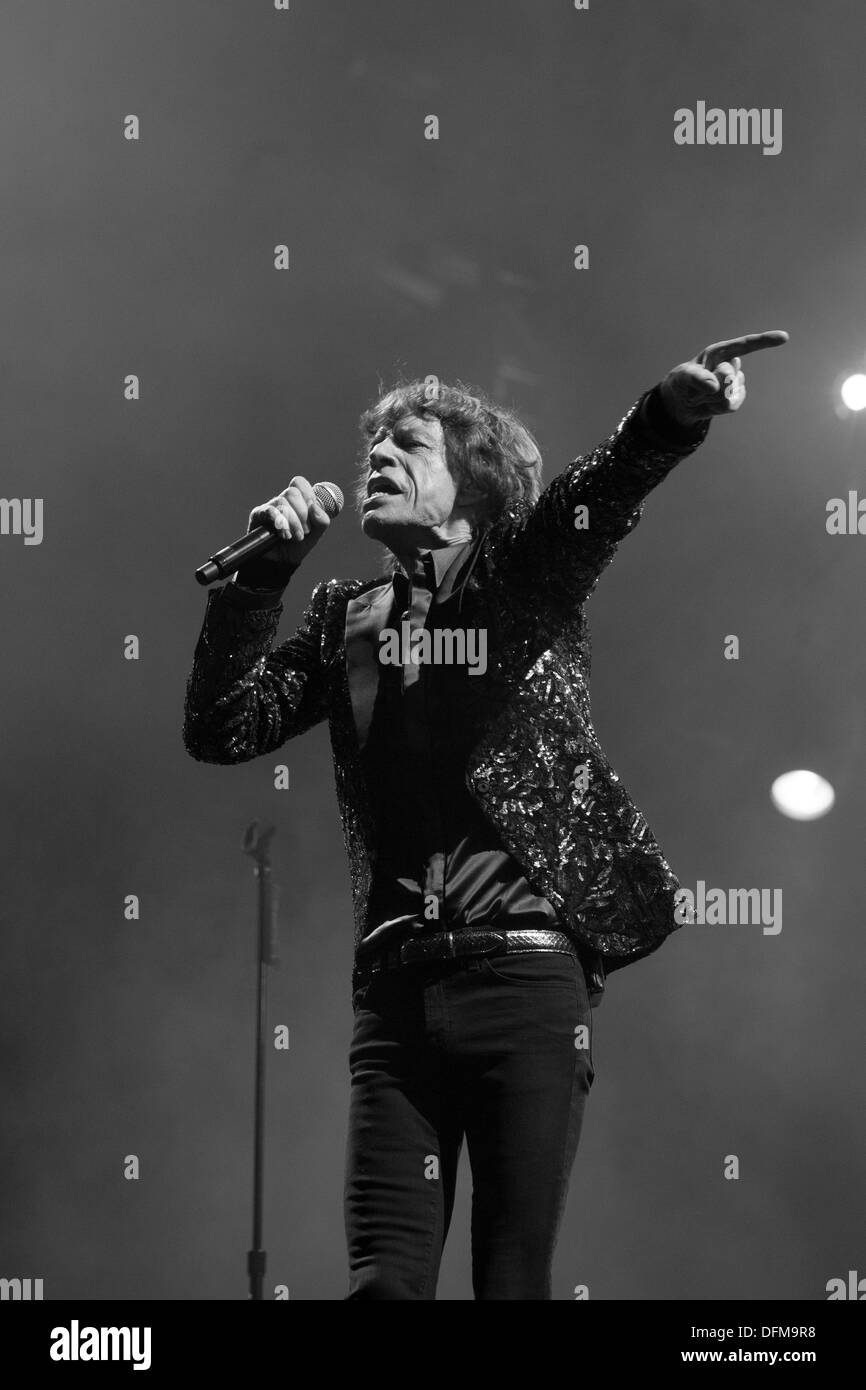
x=242, y=698
x=558, y=548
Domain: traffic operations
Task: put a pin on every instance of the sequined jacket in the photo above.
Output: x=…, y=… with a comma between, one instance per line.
x=538, y=771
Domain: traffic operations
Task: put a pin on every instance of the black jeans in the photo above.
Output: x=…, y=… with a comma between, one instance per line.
x=499, y=1050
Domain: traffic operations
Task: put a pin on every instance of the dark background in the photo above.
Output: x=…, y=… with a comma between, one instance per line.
x=453, y=258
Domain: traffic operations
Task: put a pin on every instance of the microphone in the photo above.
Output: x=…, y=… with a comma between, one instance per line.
x=261, y=538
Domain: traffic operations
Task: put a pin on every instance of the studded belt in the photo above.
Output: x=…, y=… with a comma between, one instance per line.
x=452, y=945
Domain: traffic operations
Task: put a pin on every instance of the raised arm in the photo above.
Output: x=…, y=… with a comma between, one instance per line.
x=242, y=698
x=559, y=548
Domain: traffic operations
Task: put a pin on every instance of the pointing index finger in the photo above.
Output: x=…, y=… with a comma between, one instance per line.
x=750, y=342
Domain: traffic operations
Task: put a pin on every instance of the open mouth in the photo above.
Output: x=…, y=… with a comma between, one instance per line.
x=380, y=484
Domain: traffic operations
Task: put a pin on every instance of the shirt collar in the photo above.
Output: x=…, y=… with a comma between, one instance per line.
x=444, y=561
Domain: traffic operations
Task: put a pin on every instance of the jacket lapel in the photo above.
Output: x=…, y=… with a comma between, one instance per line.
x=365, y=618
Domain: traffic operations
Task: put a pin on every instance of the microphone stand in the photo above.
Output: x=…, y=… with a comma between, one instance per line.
x=255, y=843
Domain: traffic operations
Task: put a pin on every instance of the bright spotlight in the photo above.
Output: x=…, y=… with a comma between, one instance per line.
x=802, y=795
x=853, y=391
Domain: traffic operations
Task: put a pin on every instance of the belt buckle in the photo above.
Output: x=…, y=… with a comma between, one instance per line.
x=450, y=946
x=497, y=943
x=412, y=951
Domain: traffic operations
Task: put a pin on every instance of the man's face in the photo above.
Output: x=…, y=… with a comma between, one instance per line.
x=411, y=495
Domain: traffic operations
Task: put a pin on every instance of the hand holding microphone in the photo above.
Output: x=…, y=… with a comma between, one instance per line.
x=298, y=517
x=283, y=530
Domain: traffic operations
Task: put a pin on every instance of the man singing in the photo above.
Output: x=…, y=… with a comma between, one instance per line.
x=499, y=868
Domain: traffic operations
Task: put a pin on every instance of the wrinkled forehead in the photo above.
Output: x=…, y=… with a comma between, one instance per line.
x=399, y=420
x=426, y=427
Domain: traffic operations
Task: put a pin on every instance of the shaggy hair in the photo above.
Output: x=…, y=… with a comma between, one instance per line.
x=486, y=447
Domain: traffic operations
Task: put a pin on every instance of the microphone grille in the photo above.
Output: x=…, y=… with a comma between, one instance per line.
x=329, y=496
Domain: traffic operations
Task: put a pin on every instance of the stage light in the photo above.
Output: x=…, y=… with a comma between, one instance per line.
x=853, y=391
x=802, y=795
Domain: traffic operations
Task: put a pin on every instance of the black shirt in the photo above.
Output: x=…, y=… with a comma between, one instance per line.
x=440, y=865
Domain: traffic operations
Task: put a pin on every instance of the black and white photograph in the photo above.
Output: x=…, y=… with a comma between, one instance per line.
x=433, y=539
